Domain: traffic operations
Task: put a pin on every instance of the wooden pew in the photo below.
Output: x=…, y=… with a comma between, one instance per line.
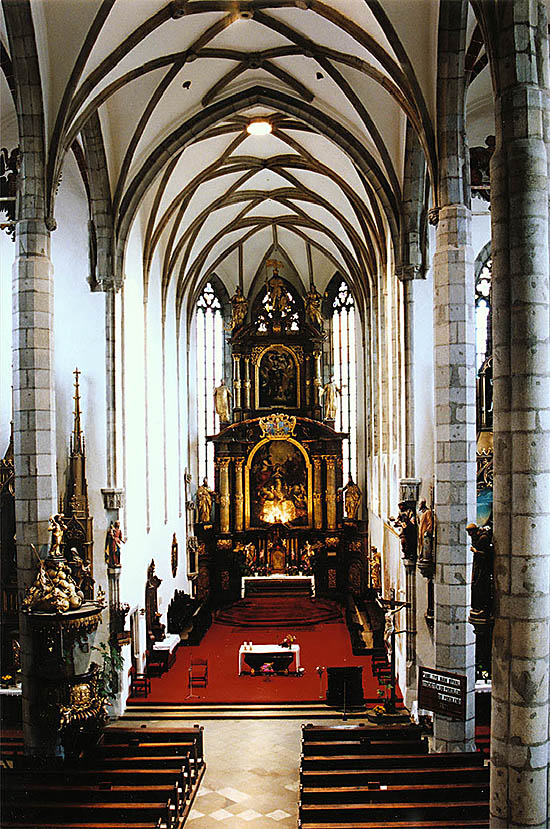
x=134, y=779
x=367, y=777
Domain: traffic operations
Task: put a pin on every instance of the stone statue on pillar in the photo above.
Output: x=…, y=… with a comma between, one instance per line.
x=222, y=402
x=481, y=612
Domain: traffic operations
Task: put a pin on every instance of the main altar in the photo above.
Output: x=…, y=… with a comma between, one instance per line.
x=278, y=458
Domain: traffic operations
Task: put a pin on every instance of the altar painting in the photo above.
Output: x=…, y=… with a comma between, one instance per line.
x=277, y=379
x=278, y=485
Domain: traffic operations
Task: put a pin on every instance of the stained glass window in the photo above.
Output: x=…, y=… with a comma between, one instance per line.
x=343, y=362
x=210, y=345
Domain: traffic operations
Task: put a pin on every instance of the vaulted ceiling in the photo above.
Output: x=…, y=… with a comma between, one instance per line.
x=175, y=86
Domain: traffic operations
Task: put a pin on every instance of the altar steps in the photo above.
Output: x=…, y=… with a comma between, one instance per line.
x=147, y=712
x=279, y=612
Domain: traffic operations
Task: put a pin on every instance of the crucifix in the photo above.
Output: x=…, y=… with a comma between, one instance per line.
x=391, y=607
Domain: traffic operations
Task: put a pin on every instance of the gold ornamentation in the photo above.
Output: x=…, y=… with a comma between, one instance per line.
x=332, y=541
x=224, y=544
x=257, y=351
x=278, y=425
x=54, y=590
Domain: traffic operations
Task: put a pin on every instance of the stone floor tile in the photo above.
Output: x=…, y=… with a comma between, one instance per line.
x=249, y=814
x=220, y=814
x=233, y=794
x=278, y=814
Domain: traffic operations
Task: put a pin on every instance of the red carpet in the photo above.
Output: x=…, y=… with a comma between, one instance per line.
x=325, y=644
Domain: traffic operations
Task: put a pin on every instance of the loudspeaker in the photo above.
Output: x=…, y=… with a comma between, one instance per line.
x=350, y=678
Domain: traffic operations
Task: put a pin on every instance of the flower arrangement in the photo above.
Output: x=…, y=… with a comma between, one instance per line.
x=288, y=641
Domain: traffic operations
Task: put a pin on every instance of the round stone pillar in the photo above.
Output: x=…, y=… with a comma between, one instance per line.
x=455, y=462
x=34, y=439
x=521, y=377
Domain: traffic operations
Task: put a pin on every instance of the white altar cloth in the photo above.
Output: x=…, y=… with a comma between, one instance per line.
x=267, y=649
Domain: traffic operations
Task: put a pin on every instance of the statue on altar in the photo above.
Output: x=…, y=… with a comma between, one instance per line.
x=222, y=402
x=205, y=497
x=330, y=392
x=239, y=308
x=312, y=303
x=278, y=297
x=307, y=555
x=352, y=498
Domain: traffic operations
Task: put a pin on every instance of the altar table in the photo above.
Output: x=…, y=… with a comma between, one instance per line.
x=276, y=577
x=166, y=650
x=267, y=651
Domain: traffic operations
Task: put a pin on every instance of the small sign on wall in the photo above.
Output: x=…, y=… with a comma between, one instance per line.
x=442, y=692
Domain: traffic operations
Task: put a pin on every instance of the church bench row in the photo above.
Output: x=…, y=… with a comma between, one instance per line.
x=393, y=793
x=362, y=776
x=114, y=735
x=313, y=733
x=396, y=777
x=414, y=824
x=388, y=761
x=395, y=811
x=129, y=780
x=332, y=747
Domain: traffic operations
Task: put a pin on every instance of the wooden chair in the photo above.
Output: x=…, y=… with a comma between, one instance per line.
x=140, y=685
x=198, y=673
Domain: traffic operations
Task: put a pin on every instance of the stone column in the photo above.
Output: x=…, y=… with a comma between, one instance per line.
x=317, y=494
x=223, y=466
x=34, y=438
x=237, y=380
x=239, y=499
x=521, y=376
x=247, y=383
x=331, y=492
x=455, y=462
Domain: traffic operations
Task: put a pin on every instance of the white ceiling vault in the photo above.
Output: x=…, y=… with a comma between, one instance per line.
x=175, y=85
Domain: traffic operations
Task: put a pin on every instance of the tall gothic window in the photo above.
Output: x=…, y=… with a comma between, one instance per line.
x=209, y=374
x=483, y=313
x=344, y=371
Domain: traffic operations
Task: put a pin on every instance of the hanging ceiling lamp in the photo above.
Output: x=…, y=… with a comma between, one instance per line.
x=259, y=126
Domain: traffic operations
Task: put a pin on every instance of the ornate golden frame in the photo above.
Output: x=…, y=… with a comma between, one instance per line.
x=257, y=357
x=247, y=478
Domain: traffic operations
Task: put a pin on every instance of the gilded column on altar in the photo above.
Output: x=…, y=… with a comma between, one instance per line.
x=223, y=466
x=317, y=490
x=331, y=492
x=237, y=380
x=239, y=500
x=246, y=383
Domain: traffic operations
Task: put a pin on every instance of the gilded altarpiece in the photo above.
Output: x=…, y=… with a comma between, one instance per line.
x=278, y=480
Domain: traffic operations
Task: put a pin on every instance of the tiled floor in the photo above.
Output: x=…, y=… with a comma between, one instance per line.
x=252, y=774
x=251, y=777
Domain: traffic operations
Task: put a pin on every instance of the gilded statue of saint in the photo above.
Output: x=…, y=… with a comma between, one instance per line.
x=57, y=527
x=312, y=302
x=239, y=308
x=205, y=497
x=352, y=498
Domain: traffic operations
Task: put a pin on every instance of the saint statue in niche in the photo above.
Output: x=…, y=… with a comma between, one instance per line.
x=278, y=379
x=278, y=485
